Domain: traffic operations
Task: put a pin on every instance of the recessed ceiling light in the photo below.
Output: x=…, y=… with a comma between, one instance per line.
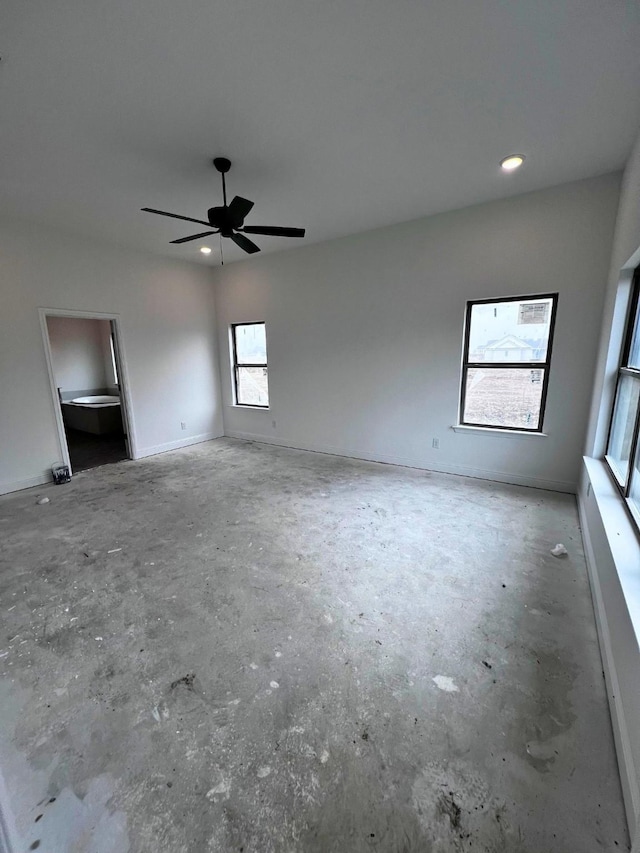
x=513, y=161
x=205, y=250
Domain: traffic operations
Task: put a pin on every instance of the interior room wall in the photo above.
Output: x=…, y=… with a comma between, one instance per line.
x=364, y=334
x=78, y=353
x=166, y=319
x=612, y=543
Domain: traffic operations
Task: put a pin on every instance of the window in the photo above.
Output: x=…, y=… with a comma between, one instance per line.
x=114, y=366
x=507, y=354
x=623, y=447
x=249, y=344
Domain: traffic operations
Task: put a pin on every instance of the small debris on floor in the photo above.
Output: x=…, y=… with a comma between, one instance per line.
x=444, y=682
x=187, y=680
x=114, y=550
x=559, y=550
x=220, y=792
x=42, y=501
x=160, y=712
x=485, y=663
x=448, y=806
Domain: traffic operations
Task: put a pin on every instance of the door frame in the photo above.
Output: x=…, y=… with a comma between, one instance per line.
x=126, y=406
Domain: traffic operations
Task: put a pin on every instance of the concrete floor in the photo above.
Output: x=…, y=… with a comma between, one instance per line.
x=236, y=647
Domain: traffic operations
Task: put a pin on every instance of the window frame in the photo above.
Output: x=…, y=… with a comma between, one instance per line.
x=235, y=366
x=632, y=317
x=504, y=365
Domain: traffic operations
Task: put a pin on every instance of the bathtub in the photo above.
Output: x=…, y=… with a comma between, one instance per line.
x=98, y=414
x=96, y=400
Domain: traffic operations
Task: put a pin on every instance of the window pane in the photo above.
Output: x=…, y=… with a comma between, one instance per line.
x=506, y=397
x=251, y=344
x=634, y=489
x=253, y=387
x=634, y=353
x=510, y=331
x=624, y=416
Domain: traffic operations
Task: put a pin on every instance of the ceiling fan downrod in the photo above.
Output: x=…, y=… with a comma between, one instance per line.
x=223, y=164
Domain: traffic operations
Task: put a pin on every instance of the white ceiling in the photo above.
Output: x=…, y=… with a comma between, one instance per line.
x=338, y=116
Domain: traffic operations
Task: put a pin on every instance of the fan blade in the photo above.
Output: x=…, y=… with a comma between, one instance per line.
x=273, y=231
x=194, y=237
x=245, y=243
x=238, y=209
x=173, y=215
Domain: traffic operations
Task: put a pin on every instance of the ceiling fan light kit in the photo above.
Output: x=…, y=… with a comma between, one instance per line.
x=228, y=219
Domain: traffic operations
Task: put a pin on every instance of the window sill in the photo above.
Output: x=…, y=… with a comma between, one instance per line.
x=251, y=408
x=620, y=532
x=497, y=433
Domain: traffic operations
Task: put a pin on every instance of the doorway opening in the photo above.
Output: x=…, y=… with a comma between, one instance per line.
x=86, y=370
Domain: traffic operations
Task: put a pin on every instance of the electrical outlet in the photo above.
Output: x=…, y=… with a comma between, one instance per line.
x=183, y=425
x=435, y=443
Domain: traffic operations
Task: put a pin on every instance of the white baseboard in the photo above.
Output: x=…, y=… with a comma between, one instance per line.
x=628, y=774
x=18, y=485
x=351, y=453
x=175, y=445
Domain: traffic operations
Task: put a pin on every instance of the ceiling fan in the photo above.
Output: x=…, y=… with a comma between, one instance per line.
x=228, y=220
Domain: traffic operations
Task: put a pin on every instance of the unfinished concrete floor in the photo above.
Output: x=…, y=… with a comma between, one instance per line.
x=236, y=647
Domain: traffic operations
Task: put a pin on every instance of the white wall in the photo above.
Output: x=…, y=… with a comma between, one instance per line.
x=612, y=544
x=166, y=318
x=78, y=354
x=364, y=334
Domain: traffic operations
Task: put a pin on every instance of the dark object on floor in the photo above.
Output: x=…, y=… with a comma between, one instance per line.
x=61, y=474
x=187, y=680
x=448, y=806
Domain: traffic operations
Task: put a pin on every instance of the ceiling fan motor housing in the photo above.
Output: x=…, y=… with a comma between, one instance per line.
x=216, y=217
x=222, y=164
x=225, y=219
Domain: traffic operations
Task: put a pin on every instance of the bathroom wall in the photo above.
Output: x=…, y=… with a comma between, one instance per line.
x=79, y=354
